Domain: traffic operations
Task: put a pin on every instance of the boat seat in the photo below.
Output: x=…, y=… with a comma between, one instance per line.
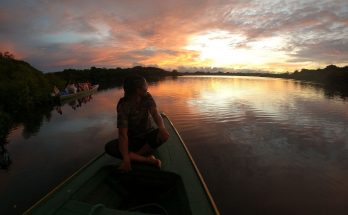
x=75, y=207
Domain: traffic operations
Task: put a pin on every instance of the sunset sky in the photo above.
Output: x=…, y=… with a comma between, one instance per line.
x=268, y=35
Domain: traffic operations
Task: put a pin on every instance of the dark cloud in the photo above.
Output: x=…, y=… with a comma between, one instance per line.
x=54, y=34
x=151, y=51
x=329, y=52
x=287, y=17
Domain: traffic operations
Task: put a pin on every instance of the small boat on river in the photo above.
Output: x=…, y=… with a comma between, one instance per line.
x=99, y=188
x=79, y=94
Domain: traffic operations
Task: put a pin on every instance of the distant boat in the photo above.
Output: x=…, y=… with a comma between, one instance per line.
x=79, y=94
x=99, y=188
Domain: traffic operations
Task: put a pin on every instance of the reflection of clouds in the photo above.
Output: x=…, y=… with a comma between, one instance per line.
x=328, y=118
x=99, y=112
x=274, y=98
x=299, y=108
x=272, y=114
x=215, y=93
x=78, y=124
x=223, y=96
x=63, y=145
x=251, y=130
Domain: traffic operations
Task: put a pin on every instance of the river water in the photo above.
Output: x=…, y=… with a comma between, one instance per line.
x=263, y=145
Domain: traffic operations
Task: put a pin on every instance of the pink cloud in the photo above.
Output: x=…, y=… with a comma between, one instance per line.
x=121, y=33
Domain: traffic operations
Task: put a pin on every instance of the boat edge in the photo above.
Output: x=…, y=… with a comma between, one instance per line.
x=210, y=197
x=60, y=185
x=71, y=96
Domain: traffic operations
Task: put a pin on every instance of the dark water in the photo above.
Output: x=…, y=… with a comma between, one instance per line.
x=264, y=146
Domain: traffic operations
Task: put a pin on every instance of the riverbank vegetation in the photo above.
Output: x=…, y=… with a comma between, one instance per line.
x=25, y=91
x=109, y=77
x=333, y=79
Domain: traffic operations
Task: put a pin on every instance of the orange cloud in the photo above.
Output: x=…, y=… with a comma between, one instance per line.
x=124, y=33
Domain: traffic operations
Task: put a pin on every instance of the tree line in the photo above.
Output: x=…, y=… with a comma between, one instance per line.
x=332, y=78
x=108, y=77
x=25, y=92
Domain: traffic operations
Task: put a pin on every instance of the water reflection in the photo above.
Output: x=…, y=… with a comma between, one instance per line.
x=266, y=146
x=74, y=103
x=5, y=160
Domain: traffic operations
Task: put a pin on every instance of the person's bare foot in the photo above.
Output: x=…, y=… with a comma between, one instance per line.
x=154, y=161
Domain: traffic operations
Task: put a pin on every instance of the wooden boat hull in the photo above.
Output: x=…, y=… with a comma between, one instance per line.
x=98, y=188
x=79, y=94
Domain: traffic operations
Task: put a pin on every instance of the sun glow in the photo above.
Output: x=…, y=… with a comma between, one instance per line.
x=220, y=93
x=224, y=49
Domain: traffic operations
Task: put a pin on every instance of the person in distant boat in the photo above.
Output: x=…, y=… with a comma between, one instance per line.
x=71, y=88
x=79, y=87
x=66, y=86
x=56, y=91
x=138, y=137
x=89, y=85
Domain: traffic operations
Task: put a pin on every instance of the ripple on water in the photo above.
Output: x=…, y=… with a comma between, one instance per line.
x=264, y=146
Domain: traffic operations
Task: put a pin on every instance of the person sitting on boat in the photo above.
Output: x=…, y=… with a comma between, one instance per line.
x=55, y=91
x=85, y=86
x=81, y=87
x=71, y=88
x=67, y=86
x=89, y=85
x=138, y=138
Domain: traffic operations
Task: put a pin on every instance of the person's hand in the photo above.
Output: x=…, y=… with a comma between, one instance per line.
x=125, y=166
x=163, y=134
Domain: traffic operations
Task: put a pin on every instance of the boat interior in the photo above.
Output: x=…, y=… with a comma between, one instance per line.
x=145, y=190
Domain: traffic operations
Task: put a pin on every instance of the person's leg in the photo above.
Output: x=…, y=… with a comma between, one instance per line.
x=154, y=139
x=144, y=155
x=112, y=149
x=135, y=145
x=142, y=152
x=152, y=142
x=146, y=150
x=135, y=157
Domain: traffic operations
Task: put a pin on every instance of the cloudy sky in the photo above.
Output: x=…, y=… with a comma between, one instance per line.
x=270, y=35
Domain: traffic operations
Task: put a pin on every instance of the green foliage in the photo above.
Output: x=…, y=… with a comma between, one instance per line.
x=55, y=80
x=332, y=76
x=333, y=79
x=23, y=90
x=109, y=77
x=21, y=86
x=5, y=126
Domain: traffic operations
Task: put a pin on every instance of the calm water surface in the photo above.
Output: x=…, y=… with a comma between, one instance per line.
x=264, y=146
